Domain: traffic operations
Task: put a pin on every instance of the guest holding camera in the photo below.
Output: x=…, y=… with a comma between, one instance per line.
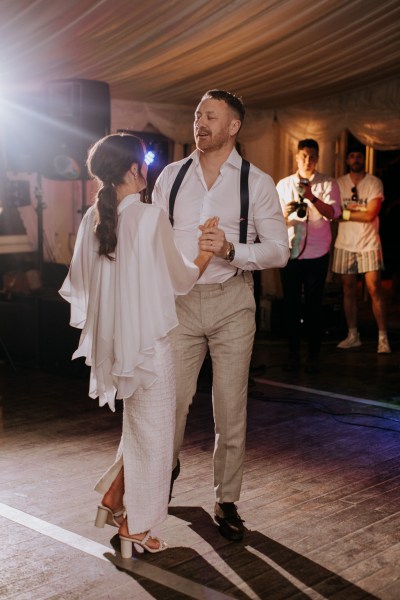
x=309, y=200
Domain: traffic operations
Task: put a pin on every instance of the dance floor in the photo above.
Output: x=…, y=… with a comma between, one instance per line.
x=320, y=497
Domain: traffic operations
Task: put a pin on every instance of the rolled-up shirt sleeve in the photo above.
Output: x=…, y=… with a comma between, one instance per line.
x=331, y=195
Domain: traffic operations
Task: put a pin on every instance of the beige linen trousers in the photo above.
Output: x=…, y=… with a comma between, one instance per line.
x=219, y=318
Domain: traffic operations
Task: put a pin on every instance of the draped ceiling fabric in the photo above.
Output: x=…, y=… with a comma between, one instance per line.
x=303, y=69
x=274, y=53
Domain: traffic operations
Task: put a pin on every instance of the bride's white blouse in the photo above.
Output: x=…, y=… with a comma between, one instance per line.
x=124, y=306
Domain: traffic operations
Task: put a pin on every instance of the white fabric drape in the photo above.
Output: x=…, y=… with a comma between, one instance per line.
x=372, y=115
x=176, y=121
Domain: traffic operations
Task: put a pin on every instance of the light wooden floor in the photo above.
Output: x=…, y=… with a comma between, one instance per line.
x=321, y=498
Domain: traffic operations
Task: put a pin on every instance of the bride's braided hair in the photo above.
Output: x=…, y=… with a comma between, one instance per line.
x=109, y=160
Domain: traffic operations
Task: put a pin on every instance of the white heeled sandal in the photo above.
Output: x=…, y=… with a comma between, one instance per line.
x=128, y=542
x=106, y=515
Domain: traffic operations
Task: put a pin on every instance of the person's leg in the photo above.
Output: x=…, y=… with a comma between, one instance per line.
x=111, y=487
x=292, y=288
x=349, y=284
x=148, y=428
x=111, y=510
x=374, y=287
x=114, y=496
x=189, y=350
x=314, y=272
x=230, y=339
x=346, y=264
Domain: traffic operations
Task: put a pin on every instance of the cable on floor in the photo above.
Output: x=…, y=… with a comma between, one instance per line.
x=322, y=409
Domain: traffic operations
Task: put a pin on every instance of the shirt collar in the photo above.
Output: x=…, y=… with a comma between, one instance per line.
x=313, y=176
x=233, y=159
x=127, y=201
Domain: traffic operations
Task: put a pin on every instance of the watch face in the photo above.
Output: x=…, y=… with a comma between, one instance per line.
x=231, y=253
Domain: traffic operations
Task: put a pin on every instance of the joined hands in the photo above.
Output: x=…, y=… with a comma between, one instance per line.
x=212, y=238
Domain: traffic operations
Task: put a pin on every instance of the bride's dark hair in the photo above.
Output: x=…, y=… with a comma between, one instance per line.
x=108, y=161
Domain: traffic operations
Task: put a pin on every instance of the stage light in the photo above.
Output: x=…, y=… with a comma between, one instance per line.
x=149, y=157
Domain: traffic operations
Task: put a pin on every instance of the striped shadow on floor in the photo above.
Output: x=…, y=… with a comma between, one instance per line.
x=134, y=565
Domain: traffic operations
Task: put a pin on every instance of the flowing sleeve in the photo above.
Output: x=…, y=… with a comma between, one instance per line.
x=150, y=271
x=90, y=289
x=182, y=272
x=125, y=306
x=76, y=286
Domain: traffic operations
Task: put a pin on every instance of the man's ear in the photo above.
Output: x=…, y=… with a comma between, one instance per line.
x=234, y=126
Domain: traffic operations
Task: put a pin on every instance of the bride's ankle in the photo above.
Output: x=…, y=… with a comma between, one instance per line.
x=111, y=502
x=123, y=528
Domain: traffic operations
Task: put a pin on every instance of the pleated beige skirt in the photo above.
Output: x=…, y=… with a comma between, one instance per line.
x=146, y=447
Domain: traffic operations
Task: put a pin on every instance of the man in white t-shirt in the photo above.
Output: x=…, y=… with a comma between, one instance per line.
x=358, y=246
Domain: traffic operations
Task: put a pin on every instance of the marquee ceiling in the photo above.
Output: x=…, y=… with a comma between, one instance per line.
x=271, y=52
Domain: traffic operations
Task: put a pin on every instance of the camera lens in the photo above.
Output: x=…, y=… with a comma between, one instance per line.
x=301, y=211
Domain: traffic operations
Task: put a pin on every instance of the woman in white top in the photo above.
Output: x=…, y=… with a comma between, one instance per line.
x=124, y=275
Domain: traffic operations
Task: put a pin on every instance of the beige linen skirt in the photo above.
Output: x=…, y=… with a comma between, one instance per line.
x=146, y=447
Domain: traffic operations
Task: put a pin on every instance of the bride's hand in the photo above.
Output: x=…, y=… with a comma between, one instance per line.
x=204, y=241
x=211, y=222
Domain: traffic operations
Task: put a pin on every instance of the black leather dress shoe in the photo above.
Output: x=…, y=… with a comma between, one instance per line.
x=229, y=521
x=174, y=476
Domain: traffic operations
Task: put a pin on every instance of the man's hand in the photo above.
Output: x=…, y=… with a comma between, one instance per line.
x=307, y=191
x=213, y=239
x=205, y=249
x=289, y=208
x=205, y=243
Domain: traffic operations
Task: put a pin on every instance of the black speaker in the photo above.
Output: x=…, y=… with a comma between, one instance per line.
x=77, y=115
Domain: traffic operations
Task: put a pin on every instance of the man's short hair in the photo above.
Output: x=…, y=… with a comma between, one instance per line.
x=356, y=147
x=308, y=143
x=235, y=103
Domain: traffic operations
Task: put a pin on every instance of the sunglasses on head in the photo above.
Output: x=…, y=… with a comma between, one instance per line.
x=354, y=197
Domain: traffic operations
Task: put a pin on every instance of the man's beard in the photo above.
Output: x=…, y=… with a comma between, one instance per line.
x=357, y=168
x=216, y=142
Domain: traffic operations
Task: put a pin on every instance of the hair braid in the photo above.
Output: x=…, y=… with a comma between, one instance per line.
x=109, y=160
x=106, y=220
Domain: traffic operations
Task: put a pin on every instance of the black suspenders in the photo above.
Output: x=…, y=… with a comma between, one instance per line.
x=175, y=187
x=244, y=195
x=244, y=201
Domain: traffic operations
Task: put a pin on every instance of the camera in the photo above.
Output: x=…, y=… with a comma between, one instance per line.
x=301, y=207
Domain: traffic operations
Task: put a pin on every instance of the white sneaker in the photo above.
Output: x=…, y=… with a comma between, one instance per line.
x=352, y=341
x=383, y=346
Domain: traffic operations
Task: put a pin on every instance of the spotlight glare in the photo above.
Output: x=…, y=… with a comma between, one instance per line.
x=149, y=157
